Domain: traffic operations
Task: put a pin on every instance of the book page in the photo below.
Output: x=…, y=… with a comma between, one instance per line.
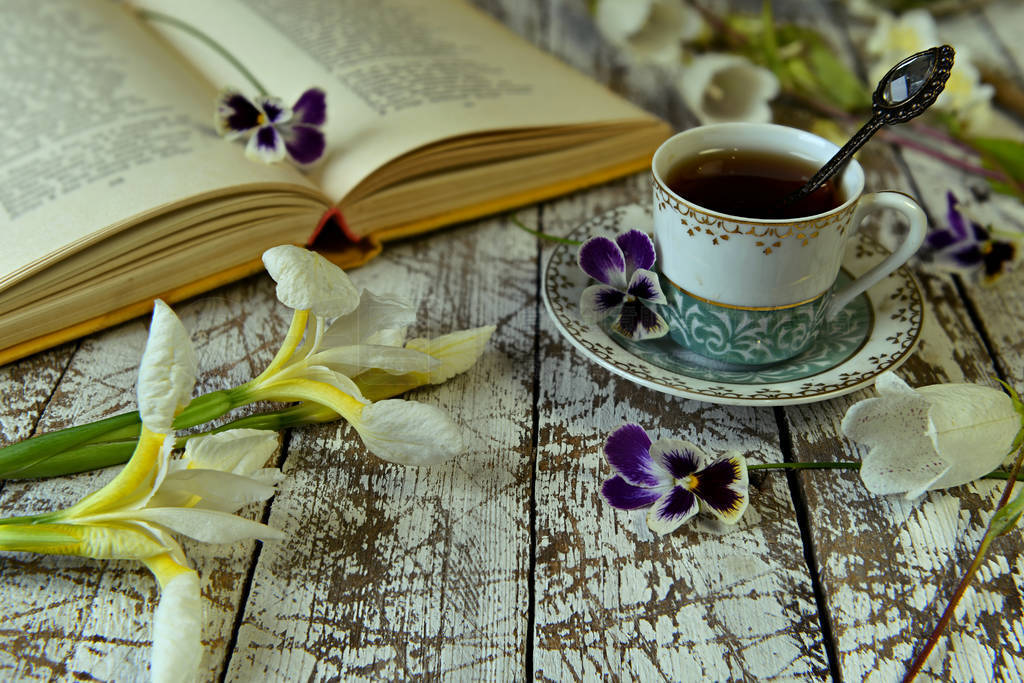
x=399, y=74
x=101, y=126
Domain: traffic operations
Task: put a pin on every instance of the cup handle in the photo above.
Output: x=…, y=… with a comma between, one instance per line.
x=915, y=235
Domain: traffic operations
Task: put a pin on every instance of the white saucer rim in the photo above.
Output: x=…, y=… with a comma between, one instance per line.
x=718, y=392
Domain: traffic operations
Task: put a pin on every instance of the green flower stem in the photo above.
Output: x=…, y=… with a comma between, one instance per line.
x=818, y=465
x=32, y=519
x=537, y=233
x=151, y=15
x=805, y=466
x=103, y=443
x=19, y=459
x=1005, y=518
x=276, y=420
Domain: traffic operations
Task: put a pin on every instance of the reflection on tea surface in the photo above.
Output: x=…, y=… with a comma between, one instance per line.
x=751, y=184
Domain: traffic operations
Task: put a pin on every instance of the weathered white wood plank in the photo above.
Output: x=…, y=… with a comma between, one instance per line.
x=394, y=572
x=69, y=617
x=709, y=602
x=888, y=565
x=26, y=388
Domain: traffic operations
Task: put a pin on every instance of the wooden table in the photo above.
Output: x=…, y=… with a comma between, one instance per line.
x=505, y=564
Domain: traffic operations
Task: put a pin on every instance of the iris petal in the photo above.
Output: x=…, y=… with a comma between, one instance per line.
x=623, y=495
x=311, y=107
x=601, y=259
x=671, y=510
x=628, y=451
x=637, y=248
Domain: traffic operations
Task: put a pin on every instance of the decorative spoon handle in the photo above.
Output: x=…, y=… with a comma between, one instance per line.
x=905, y=91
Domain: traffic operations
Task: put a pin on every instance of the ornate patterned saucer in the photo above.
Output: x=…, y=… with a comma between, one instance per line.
x=875, y=333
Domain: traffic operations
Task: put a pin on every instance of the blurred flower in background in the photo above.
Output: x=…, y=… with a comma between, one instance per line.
x=727, y=87
x=649, y=30
x=896, y=37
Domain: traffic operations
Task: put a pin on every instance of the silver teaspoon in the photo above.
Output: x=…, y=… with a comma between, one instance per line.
x=905, y=91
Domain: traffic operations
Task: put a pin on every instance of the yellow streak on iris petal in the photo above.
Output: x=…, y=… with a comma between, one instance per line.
x=291, y=342
x=317, y=392
x=101, y=542
x=132, y=481
x=164, y=568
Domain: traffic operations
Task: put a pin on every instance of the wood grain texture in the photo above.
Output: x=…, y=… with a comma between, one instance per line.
x=710, y=601
x=888, y=565
x=410, y=572
x=77, y=618
x=505, y=564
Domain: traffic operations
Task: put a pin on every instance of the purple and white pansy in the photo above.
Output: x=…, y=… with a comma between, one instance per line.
x=967, y=245
x=674, y=478
x=274, y=130
x=628, y=289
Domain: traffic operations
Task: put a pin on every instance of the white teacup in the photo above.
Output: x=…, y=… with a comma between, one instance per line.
x=755, y=291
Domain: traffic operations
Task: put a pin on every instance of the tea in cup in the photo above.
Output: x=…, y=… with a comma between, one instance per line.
x=750, y=279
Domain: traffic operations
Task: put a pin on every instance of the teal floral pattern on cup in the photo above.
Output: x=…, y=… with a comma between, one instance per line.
x=741, y=336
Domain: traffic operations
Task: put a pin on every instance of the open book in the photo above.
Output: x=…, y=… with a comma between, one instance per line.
x=115, y=189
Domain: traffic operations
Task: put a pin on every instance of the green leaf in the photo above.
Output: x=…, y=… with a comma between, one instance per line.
x=24, y=455
x=838, y=83
x=770, y=41
x=1006, y=154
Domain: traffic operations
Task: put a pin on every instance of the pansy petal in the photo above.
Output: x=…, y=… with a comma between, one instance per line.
x=672, y=510
x=637, y=249
x=939, y=239
x=995, y=256
x=598, y=301
x=966, y=257
x=208, y=526
x=645, y=285
x=623, y=495
x=305, y=144
x=409, y=432
x=311, y=107
x=374, y=313
x=235, y=114
x=723, y=488
x=628, y=451
x=177, y=630
x=678, y=458
x=957, y=223
x=167, y=372
x=306, y=280
x=601, y=259
x=638, y=322
x=274, y=109
x=266, y=145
